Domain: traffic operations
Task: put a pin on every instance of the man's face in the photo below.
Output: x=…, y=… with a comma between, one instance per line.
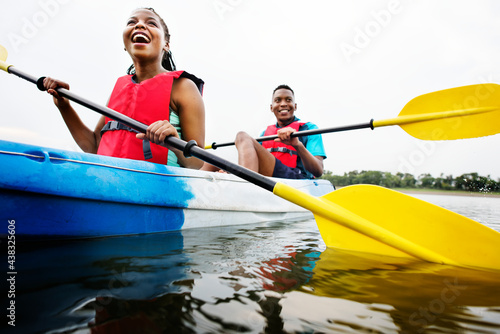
x=283, y=106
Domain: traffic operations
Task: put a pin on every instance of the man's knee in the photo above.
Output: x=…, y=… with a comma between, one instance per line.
x=242, y=137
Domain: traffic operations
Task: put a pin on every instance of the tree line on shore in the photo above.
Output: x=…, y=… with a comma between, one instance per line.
x=471, y=182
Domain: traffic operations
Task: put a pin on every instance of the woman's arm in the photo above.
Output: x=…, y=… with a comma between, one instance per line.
x=186, y=100
x=86, y=139
x=188, y=103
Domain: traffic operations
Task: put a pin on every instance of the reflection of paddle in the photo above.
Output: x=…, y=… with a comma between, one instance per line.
x=456, y=113
x=394, y=227
x=405, y=290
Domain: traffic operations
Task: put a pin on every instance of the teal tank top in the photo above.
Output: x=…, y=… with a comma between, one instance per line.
x=174, y=120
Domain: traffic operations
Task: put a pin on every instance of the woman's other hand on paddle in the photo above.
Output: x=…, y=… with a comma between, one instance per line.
x=158, y=131
x=51, y=85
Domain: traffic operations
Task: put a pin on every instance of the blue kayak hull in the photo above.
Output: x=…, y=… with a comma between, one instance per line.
x=58, y=216
x=56, y=193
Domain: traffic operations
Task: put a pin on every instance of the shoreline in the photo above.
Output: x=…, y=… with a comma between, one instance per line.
x=409, y=191
x=444, y=192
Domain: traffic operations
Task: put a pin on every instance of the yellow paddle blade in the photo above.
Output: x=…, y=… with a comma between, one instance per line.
x=3, y=58
x=385, y=241
x=456, y=239
x=463, y=112
x=3, y=53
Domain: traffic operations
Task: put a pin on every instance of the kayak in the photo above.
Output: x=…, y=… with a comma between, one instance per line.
x=53, y=193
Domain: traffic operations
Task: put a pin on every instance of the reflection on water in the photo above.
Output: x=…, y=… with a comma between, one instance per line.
x=414, y=296
x=266, y=278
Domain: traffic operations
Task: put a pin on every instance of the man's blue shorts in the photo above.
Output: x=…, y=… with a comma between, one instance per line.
x=285, y=172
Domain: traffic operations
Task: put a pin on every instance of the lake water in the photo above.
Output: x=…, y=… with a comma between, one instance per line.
x=263, y=278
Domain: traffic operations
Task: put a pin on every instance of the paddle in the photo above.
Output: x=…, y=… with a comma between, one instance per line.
x=364, y=218
x=456, y=113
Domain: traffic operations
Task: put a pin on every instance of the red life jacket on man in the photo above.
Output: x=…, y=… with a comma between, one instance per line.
x=285, y=153
x=146, y=102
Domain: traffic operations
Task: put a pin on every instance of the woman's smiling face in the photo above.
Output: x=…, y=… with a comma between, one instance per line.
x=144, y=36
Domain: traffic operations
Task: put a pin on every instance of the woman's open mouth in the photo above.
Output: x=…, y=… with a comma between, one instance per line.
x=140, y=38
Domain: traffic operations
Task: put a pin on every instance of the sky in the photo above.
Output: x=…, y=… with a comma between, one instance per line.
x=347, y=61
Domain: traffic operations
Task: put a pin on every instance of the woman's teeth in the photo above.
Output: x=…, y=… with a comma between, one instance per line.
x=140, y=38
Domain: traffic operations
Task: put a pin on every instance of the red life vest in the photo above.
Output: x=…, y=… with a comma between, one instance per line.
x=285, y=153
x=146, y=102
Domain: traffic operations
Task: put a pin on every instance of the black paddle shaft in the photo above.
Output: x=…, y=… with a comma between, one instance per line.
x=306, y=133
x=190, y=148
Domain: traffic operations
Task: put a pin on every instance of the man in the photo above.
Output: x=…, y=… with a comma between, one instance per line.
x=286, y=157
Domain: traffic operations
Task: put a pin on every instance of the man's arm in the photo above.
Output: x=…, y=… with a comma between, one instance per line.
x=314, y=164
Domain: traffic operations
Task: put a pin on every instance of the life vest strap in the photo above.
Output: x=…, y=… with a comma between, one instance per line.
x=114, y=125
x=282, y=150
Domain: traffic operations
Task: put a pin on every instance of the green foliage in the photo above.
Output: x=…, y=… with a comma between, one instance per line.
x=474, y=182
x=471, y=182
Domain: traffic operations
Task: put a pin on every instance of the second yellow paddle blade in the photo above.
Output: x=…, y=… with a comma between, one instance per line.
x=464, y=241
x=3, y=58
x=470, y=125
x=3, y=53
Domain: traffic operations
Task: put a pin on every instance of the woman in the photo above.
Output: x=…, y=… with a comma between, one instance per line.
x=152, y=93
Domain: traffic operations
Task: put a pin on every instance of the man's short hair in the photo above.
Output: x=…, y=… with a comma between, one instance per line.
x=283, y=87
